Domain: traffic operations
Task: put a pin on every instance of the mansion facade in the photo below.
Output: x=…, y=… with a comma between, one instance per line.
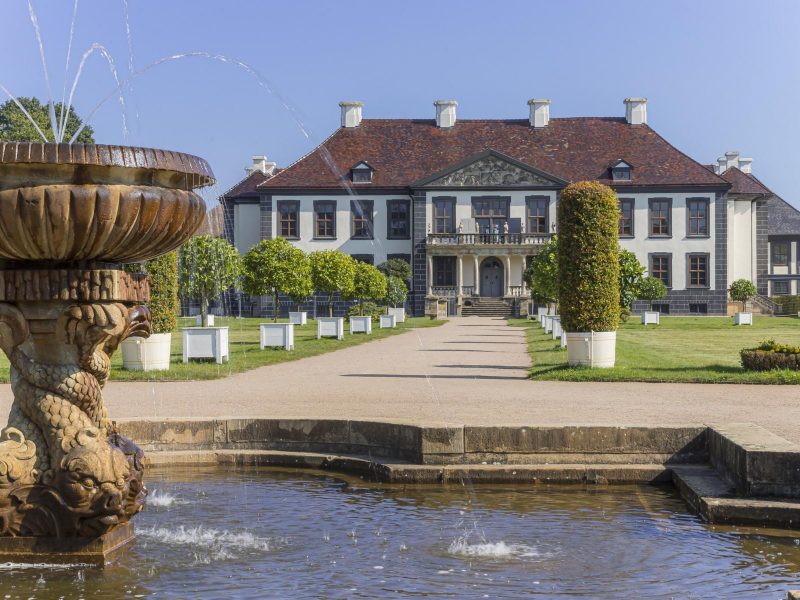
x=468, y=202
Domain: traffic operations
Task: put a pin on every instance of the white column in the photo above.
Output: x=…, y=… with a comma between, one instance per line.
x=507, y=260
x=459, y=274
x=477, y=277
x=430, y=275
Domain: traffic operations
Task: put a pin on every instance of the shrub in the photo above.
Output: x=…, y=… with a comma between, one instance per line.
x=631, y=272
x=651, y=288
x=332, y=271
x=588, y=258
x=274, y=267
x=541, y=276
x=208, y=266
x=396, y=291
x=369, y=284
x=769, y=355
x=743, y=290
x=164, y=304
x=397, y=267
x=365, y=309
x=790, y=304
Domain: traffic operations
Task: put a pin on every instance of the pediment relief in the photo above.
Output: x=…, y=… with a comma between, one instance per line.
x=491, y=170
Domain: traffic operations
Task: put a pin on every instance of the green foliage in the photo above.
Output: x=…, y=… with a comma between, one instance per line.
x=397, y=267
x=16, y=127
x=272, y=267
x=588, y=257
x=396, y=291
x=333, y=271
x=369, y=284
x=541, y=276
x=631, y=272
x=743, y=290
x=789, y=304
x=164, y=304
x=769, y=355
x=208, y=266
x=365, y=309
x=651, y=288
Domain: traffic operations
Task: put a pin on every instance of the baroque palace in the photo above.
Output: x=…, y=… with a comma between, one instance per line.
x=468, y=202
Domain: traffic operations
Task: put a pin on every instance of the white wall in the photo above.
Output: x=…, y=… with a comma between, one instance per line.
x=247, y=226
x=741, y=240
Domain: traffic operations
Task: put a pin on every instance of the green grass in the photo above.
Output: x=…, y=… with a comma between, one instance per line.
x=681, y=349
x=244, y=350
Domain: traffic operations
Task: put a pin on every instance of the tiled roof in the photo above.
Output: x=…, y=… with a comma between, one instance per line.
x=247, y=185
x=784, y=219
x=405, y=151
x=744, y=183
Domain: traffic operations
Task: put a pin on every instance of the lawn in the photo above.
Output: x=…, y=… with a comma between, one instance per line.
x=245, y=353
x=681, y=349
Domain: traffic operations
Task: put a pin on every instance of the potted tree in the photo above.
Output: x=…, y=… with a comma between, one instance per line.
x=400, y=269
x=588, y=266
x=541, y=277
x=208, y=266
x=651, y=288
x=396, y=293
x=369, y=286
x=153, y=353
x=332, y=272
x=743, y=290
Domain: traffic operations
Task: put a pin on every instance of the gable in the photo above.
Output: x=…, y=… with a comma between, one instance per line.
x=491, y=169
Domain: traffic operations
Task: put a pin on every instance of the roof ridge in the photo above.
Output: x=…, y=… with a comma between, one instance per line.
x=241, y=181
x=305, y=156
x=682, y=153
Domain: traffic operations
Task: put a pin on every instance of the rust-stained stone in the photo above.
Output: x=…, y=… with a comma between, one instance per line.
x=83, y=285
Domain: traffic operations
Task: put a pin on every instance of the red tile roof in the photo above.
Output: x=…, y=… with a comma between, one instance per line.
x=247, y=185
x=744, y=183
x=404, y=151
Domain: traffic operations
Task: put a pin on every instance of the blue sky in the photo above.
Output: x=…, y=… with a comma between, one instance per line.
x=718, y=76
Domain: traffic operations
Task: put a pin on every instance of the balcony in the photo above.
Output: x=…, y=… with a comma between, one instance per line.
x=498, y=240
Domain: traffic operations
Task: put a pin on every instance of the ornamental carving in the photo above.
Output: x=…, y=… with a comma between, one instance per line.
x=492, y=171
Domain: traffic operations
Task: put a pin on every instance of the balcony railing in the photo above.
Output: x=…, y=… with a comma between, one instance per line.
x=444, y=291
x=496, y=239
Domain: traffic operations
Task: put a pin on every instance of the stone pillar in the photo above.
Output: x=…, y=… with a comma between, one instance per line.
x=459, y=275
x=430, y=275
x=477, y=276
x=507, y=261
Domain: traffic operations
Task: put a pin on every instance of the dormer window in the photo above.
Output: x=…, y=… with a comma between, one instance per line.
x=621, y=171
x=361, y=173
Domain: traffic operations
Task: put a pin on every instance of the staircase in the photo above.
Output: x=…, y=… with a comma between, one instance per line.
x=765, y=306
x=488, y=307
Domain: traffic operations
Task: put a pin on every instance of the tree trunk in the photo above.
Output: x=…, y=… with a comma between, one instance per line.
x=276, y=305
x=204, y=311
x=330, y=305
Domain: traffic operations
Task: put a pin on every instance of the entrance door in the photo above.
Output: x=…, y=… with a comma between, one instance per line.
x=491, y=278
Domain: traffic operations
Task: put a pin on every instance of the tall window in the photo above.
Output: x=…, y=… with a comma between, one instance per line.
x=626, y=217
x=660, y=217
x=537, y=214
x=288, y=215
x=398, y=226
x=444, y=215
x=325, y=219
x=780, y=254
x=490, y=214
x=698, y=270
x=697, y=215
x=661, y=268
x=361, y=219
x=780, y=288
x=444, y=270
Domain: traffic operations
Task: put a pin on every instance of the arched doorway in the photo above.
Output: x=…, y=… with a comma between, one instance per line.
x=491, y=278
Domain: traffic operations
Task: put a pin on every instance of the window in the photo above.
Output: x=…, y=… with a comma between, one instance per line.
x=398, y=226
x=621, y=171
x=325, y=219
x=697, y=215
x=365, y=258
x=660, y=217
x=444, y=215
x=288, y=225
x=537, y=214
x=444, y=270
x=698, y=270
x=361, y=173
x=626, y=217
x=661, y=268
x=698, y=308
x=662, y=308
x=361, y=219
x=490, y=214
x=780, y=288
x=780, y=254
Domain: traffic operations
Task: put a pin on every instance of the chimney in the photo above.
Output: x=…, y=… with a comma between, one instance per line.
x=636, y=111
x=445, y=113
x=539, y=112
x=746, y=165
x=261, y=164
x=351, y=113
x=722, y=164
x=731, y=159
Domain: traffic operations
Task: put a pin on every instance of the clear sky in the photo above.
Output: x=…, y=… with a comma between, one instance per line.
x=718, y=75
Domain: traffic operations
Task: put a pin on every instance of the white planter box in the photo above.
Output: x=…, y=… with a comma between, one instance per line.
x=651, y=317
x=200, y=320
x=743, y=318
x=540, y=313
x=298, y=318
x=399, y=313
x=563, y=340
x=147, y=354
x=592, y=349
x=548, y=323
x=388, y=321
x=276, y=334
x=361, y=325
x=330, y=327
x=205, y=342
x=556, y=327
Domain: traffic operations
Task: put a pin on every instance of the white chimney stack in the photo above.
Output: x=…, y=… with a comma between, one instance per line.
x=445, y=113
x=261, y=164
x=636, y=111
x=351, y=113
x=746, y=165
x=722, y=164
x=731, y=160
x=539, y=112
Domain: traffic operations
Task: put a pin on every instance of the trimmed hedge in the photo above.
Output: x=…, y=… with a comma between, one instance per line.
x=769, y=355
x=164, y=304
x=790, y=304
x=588, y=257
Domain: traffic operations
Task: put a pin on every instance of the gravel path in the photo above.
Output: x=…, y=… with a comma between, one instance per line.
x=469, y=371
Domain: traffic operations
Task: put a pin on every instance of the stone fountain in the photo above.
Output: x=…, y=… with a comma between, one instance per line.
x=70, y=216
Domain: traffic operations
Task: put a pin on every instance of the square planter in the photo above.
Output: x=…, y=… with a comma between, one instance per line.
x=556, y=326
x=330, y=327
x=540, y=313
x=361, y=325
x=388, y=321
x=651, y=317
x=298, y=318
x=399, y=313
x=147, y=354
x=595, y=349
x=548, y=323
x=200, y=320
x=563, y=340
x=743, y=318
x=273, y=335
x=206, y=342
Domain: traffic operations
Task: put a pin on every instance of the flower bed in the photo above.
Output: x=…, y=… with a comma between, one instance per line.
x=769, y=355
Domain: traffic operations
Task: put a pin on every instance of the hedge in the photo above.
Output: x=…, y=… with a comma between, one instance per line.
x=769, y=355
x=588, y=257
x=790, y=304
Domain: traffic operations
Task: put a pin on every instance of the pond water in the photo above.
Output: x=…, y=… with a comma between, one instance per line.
x=267, y=533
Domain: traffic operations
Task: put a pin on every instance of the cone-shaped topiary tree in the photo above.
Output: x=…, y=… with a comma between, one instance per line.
x=164, y=304
x=588, y=258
